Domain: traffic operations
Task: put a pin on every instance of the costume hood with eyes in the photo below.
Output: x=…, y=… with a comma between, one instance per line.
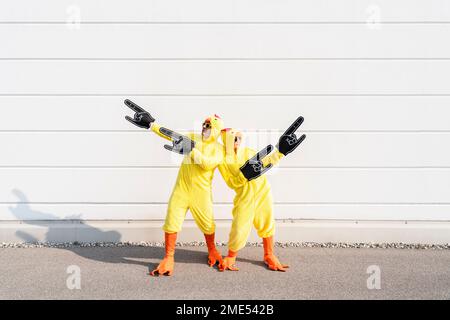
x=216, y=127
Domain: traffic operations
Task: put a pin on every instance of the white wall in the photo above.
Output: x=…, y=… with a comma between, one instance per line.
x=371, y=79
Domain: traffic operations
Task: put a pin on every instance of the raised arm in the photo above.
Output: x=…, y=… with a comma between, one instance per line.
x=288, y=142
x=264, y=160
x=180, y=143
x=254, y=167
x=141, y=118
x=156, y=128
x=273, y=159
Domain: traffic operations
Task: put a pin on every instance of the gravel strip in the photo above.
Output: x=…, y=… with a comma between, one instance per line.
x=222, y=244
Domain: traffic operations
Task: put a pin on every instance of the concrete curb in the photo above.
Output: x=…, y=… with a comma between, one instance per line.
x=300, y=231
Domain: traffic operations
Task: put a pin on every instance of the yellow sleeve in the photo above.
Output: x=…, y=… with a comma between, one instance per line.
x=273, y=158
x=231, y=181
x=205, y=161
x=155, y=128
x=191, y=135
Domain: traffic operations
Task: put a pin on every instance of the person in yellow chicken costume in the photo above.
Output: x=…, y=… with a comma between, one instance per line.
x=243, y=171
x=192, y=191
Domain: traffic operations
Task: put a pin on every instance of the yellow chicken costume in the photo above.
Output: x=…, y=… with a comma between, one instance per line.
x=192, y=191
x=242, y=169
x=252, y=203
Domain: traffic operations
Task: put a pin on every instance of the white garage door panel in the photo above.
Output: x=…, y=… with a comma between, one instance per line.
x=357, y=113
x=225, y=10
x=154, y=185
x=224, y=41
x=371, y=78
x=221, y=211
x=146, y=149
x=225, y=77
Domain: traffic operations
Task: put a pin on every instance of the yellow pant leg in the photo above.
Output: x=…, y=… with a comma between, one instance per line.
x=201, y=207
x=264, y=221
x=176, y=211
x=243, y=216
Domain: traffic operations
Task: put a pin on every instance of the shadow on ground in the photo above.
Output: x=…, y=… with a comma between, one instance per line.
x=129, y=255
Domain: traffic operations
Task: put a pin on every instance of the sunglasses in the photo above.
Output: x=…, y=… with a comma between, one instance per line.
x=206, y=125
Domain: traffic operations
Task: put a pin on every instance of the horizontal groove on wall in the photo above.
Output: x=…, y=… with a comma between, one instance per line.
x=306, y=168
x=190, y=219
x=280, y=168
x=383, y=22
x=225, y=95
x=229, y=59
x=262, y=131
x=230, y=203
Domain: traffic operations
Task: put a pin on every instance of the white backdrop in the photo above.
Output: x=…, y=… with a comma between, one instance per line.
x=371, y=78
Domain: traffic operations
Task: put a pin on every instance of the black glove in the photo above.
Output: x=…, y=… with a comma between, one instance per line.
x=254, y=167
x=142, y=118
x=180, y=144
x=288, y=141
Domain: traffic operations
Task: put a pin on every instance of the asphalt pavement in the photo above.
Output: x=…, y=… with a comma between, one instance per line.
x=314, y=273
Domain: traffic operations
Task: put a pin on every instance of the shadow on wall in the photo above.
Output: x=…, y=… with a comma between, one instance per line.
x=22, y=211
x=129, y=255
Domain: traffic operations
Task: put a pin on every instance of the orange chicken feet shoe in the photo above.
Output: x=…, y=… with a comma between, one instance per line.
x=229, y=262
x=270, y=259
x=167, y=264
x=213, y=255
